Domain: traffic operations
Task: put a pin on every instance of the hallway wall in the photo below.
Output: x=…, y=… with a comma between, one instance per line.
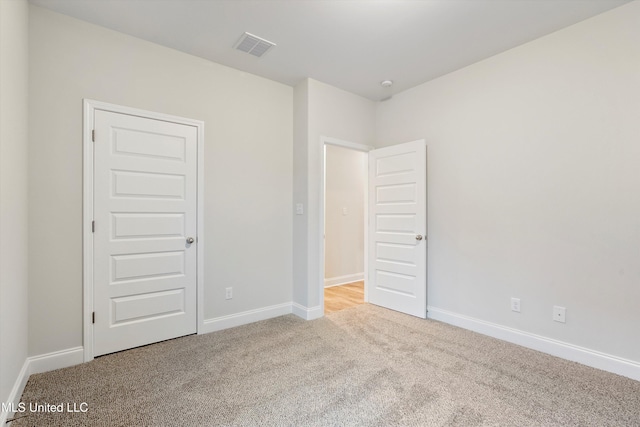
x=346, y=175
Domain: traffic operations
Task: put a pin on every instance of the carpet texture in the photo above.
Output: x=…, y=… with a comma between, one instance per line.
x=364, y=366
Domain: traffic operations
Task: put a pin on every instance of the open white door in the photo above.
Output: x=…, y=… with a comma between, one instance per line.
x=145, y=201
x=397, y=228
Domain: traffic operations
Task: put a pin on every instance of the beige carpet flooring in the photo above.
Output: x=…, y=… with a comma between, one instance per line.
x=363, y=366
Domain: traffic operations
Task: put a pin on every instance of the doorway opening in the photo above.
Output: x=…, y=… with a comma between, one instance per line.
x=344, y=224
x=395, y=225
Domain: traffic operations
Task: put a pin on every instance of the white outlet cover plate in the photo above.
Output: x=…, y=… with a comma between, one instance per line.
x=559, y=314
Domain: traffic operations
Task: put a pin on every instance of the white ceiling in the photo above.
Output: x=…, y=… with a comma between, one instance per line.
x=351, y=44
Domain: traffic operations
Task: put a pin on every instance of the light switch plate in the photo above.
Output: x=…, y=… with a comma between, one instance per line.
x=515, y=305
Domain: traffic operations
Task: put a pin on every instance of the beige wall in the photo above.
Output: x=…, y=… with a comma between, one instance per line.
x=533, y=183
x=13, y=192
x=248, y=171
x=533, y=176
x=300, y=192
x=334, y=113
x=346, y=174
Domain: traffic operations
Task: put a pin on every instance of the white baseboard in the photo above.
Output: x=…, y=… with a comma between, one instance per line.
x=250, y=316
x=56, y=360
x=343, y=280
x=307, y=313
x=585, y=356
x=16, y=392
x=36, y=365
x=74, y=356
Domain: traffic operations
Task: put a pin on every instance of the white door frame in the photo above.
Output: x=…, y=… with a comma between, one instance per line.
x=89, y=108
x=324, y=141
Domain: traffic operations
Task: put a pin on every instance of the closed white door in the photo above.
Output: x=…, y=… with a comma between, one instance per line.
x=145, y=191
x=397, y=228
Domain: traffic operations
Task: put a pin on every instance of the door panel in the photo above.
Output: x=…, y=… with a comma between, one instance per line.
x=397, y=216
x=148, y=185
x=148, y=225
x=148, y=306
x=147, y=265
x=145, y=208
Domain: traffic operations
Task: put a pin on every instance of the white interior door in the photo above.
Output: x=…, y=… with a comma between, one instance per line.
x=145, y=196
x=397, y=228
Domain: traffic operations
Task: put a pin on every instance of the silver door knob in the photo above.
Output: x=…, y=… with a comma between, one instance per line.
x=190, y=240
x=419, y=237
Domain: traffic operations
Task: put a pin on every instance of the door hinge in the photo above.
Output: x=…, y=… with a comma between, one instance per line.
x=93, y=317
x=93, y=226
x=93, y=135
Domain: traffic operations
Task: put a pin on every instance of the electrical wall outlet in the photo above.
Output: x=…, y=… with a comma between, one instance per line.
x=299, y=209
x=559, y=314
x=515, y=305
x=228, y=293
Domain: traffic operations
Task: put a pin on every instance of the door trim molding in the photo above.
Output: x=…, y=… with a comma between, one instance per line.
x=89, y=108
x=324, y=141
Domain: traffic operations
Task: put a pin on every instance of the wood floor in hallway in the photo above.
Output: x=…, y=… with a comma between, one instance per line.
x=338, y=298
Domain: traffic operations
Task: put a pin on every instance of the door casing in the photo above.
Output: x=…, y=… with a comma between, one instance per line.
x=89, y=108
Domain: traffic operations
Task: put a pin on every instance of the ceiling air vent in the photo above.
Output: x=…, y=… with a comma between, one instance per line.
x=254, y=45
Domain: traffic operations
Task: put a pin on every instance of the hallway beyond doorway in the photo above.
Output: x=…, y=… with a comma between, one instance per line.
x=338, y=298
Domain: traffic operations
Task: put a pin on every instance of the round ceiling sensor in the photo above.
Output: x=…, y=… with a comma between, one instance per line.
x=386, y=83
